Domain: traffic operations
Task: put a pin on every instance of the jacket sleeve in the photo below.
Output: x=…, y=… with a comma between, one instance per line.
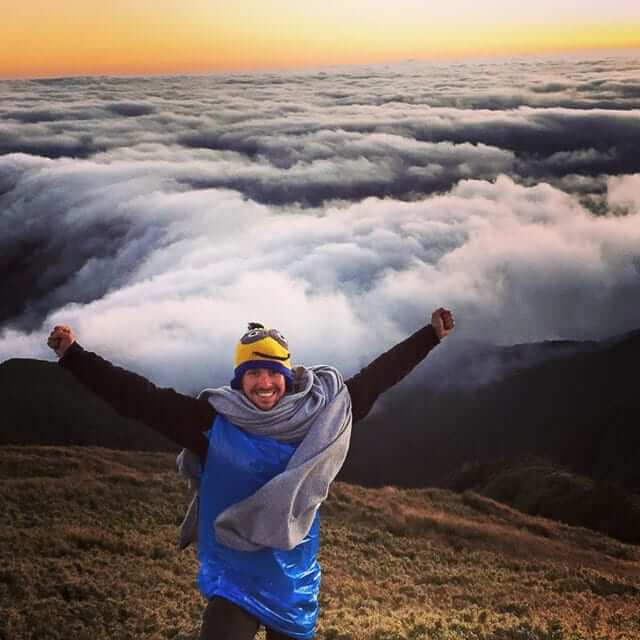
x=388, y=369
x=179, y=417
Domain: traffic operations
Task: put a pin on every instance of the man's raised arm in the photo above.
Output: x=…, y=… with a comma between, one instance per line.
x=392, y=366
x=179, y=417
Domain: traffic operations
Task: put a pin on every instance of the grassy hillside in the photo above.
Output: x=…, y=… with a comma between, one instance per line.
x=89, y=553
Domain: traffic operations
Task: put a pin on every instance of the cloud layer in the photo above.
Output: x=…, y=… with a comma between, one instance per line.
x=159, y=215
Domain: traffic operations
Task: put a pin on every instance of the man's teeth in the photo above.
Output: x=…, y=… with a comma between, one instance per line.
x=265, y=394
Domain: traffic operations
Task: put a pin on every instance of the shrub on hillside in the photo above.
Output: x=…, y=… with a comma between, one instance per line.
x=559, y=494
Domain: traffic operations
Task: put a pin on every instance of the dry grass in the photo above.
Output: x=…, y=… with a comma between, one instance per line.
x=88, y=551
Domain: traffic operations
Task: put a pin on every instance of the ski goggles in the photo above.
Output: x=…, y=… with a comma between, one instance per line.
x=260, y=334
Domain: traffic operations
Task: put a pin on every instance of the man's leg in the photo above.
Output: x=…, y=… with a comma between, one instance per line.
x=272, y=634
x=223, y=620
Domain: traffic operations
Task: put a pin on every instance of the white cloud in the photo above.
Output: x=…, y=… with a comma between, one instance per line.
x=515, y=263
x=623, y=193
x=341, y=208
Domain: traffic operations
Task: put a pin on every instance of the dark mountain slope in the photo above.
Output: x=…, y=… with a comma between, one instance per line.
x=580, y=411
x=44, y=404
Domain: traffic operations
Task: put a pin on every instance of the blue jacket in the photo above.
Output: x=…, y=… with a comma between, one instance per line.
x=278, y=587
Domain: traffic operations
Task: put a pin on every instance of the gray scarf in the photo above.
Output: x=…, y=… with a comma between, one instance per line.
x=280, y=513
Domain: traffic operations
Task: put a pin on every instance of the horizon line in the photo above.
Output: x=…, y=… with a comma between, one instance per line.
x=582, y=52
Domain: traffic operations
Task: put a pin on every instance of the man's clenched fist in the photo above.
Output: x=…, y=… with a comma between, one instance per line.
x=60, y=339
x=443, y=322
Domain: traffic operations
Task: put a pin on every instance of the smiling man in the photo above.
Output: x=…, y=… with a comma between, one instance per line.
x=266, y=449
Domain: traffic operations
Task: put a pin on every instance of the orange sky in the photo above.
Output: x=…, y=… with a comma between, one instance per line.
x=71, y=37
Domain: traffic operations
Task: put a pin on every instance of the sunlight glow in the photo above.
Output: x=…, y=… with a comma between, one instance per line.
x=41, y=38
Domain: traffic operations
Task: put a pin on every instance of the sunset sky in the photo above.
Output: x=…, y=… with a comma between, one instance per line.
x=76, y=37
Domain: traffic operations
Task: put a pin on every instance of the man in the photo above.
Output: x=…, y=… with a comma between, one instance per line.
x=270, y=445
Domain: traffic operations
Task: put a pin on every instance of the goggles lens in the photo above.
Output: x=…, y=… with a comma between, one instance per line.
x=259, y=334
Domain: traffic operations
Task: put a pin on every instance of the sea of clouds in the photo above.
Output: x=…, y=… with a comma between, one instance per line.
x=157, y=216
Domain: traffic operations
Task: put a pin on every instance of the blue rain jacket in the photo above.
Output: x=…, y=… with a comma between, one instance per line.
x=280, y=588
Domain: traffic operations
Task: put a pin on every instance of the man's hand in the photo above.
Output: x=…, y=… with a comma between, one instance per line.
x=442, y=321
x=60, y=339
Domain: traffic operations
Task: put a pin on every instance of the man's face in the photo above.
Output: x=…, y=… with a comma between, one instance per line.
x=263, y=387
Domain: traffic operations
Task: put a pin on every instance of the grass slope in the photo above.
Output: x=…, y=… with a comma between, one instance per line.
x=88, y=551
